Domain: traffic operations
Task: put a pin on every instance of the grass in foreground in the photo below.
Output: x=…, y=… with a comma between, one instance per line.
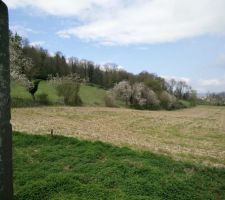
x=61, y=168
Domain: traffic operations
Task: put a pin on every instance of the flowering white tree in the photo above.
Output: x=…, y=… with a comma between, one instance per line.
x=144, y=96
x=19, y=63
x=123, y=90
x=167, y=100
x=152, y=98
x=137, y=94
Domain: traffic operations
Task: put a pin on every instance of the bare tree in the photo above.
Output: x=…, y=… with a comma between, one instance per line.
x=171, y=84
x=181, y=88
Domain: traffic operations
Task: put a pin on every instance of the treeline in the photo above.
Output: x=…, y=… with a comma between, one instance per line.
x=106, y=76
x=103, y=75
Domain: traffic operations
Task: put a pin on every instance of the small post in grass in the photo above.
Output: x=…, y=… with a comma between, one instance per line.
x=52, y=132
x=6, y=180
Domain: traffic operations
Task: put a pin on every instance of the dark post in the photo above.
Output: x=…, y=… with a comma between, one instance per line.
x=6, y=182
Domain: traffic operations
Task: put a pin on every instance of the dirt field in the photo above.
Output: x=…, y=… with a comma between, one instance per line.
x=196, y=134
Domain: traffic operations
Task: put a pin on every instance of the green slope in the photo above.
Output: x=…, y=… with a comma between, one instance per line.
x=61, y=168
x=90, y=95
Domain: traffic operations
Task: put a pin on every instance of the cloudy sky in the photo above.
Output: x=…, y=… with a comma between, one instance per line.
x=182, y=39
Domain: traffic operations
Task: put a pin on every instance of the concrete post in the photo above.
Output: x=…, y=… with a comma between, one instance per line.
x=6, y=182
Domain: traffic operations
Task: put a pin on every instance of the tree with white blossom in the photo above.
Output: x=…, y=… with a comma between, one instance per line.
x=143, y=96
x=135, y=95
x=19, y=64
x=123, y=90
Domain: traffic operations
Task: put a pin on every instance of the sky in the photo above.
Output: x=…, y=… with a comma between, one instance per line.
x=180, y=39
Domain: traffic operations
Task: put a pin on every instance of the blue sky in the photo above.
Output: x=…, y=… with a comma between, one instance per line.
x=181, y=39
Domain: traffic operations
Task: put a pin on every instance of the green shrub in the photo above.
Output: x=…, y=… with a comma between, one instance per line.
x=110, y=100
x=70, y=91
x=43, y=99
x=68, y=87
x=181, y=105
x=168, y=101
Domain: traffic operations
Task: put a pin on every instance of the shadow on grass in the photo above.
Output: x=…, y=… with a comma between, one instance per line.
x=61, y=168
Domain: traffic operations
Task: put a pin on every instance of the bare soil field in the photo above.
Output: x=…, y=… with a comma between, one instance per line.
x=196, y=134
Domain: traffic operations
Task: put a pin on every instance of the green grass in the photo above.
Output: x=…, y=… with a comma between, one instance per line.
x=90, y=95
x=17, y=91
x=185, y=103
x=48, y=89
x=20, y=97
x=61, y=168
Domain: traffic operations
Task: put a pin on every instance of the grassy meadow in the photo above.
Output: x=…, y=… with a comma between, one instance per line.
x=90, y=95
x=62, y=168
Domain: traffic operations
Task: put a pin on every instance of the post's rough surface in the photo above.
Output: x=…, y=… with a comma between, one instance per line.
x=6, y=188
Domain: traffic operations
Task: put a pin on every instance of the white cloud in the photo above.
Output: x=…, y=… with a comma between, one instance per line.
x=123, y=22
x=111, y=65
x=21, y=30
x=212, y=82
x=63, y=34
x=61, y=8
x=212, y=85
x=202, y=85
x=37, y=43
x=185, y=79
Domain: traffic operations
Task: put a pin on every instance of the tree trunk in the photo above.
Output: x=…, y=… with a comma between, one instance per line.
x=6, y=183
x=33, y=97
